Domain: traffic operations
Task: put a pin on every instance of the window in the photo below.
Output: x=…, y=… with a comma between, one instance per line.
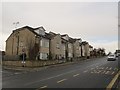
x=44, y=56
x=40, y=31
x=41, y=43
x=44, y=43
x=70, y=54
x=69, y=46
x=63, y=46
x=57, y=46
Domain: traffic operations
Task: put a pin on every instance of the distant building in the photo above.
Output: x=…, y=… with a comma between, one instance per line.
x=117, y=52
x=77, y=48
x=91, y=50
x=85, y=49
x=73, y=46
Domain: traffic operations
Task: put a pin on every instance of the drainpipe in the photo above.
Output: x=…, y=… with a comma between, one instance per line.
x=12, y=44
x=17, y=42
x=49, y=51
x=81, y=51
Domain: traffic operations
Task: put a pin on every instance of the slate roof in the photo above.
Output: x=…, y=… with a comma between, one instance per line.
x=84, y=43
x=32, y=30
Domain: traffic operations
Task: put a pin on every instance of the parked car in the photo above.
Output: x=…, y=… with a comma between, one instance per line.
x=111, y=57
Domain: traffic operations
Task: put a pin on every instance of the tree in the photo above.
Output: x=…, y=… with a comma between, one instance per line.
x=32, y=47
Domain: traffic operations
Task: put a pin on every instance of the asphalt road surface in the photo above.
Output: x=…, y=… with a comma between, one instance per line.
x=92, y=73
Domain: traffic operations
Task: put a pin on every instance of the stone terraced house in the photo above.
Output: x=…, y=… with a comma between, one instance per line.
x=40, y=45
x=32, y=41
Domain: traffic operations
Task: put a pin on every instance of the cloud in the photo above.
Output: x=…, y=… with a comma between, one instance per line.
x=90, y=21
x=60, y=0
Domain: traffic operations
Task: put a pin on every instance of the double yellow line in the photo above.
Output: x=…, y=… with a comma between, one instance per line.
x=109, y=87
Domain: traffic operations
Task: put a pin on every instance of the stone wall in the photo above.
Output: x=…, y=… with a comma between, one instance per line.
x=31, y=63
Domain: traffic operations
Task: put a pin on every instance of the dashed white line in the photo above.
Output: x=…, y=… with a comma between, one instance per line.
x=76, y=75
x=107, y=72
x=61, y=80
x=112, y=73
x=106, y=67
x=103, y=72
x=85, y=71
x=43, y=87
x=110, y=68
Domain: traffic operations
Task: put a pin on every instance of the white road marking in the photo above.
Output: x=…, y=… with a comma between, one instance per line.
x=101, y=68
x=106, y=67
x=110, y=68
x=107, y=72
x=92, y=72
x=99, y=71
x=103, y=72
x=63, y=73
x=112, y=73
x=16, y=73
x=76, y=75
x=43, y=87
x=61, y=80
x=85, y=71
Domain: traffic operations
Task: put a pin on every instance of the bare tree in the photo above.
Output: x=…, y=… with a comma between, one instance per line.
x=32, y=47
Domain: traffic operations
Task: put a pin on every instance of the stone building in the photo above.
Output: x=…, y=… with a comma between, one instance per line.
x=32, y=41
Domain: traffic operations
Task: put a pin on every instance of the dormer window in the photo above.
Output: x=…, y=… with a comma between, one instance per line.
x=66, y=37
x=40, y=31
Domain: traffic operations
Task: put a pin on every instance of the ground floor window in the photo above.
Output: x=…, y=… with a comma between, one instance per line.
x=70, y=55
x=44, y=56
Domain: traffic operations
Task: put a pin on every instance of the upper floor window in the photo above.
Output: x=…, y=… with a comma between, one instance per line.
x=58, y=46
x=69, y=46
x=63, y=46
x=44, y=43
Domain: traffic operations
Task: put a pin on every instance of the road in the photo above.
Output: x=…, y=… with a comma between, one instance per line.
x=91, y=73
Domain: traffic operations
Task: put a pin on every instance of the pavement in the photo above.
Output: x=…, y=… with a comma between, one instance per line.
x=92, y=73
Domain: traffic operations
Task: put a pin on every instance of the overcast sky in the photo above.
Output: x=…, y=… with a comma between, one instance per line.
x=95, y=22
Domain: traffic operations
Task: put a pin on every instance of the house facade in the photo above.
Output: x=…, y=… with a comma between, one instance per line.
x=77, y=48
x=69, y=46
x=56, y=47
x=85, y=49
x=28, y=40
x=40, y=45
x=91, y=50
x=64, y=48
